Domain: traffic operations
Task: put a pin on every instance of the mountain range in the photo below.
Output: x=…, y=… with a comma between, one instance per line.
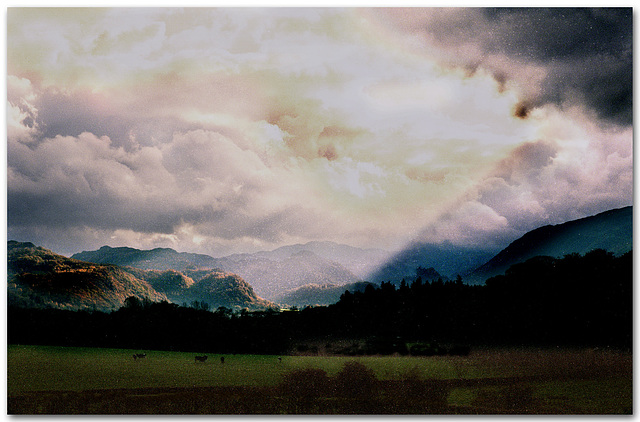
x=270, y=273
x=40, y=278
x=296, y=275
x=360, y=262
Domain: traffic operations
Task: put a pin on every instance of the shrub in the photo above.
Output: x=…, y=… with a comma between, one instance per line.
x=356, y=380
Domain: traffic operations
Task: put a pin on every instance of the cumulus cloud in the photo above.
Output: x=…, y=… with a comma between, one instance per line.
x=22, y=114
x=201, y=178
x=578, y=170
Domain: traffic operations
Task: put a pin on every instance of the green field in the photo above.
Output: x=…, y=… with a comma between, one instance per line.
x=546, y=381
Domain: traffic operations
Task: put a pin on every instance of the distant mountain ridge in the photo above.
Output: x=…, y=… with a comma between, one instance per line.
x=153, y=259
x=271, y=277
x=269, y=273
x=284, y=271
x=357, y=260
x=610, y=230
x=40, y=278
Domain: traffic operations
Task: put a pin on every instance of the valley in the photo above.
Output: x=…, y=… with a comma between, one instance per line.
x=505, y=346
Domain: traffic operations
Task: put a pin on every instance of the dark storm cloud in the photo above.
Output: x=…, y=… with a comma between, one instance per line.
x=588, y=53
x=563, y=56
x=68, y=114
x=556, y=33
x=66, y=209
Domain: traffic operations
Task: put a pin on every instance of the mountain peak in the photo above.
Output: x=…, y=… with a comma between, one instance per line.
x=15, y=244
x=304, y=254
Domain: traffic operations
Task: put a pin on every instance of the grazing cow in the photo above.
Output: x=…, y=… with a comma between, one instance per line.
x=221, y=359
x=139, y=356
x=201, y=358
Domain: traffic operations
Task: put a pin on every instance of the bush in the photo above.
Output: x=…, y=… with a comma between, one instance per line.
x=385, y=346
x=356, y=380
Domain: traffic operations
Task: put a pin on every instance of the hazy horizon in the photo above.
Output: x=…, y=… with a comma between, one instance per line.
x=231, y=130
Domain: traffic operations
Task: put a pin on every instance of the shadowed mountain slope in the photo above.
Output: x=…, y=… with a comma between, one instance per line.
x=611, y=230
x=446, y=259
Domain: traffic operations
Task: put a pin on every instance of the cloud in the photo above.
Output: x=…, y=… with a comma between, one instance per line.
x=201, y=179
x=553, y=55
x=230, y=130
x=577, y=171
x=588, y=53
x=22, y=114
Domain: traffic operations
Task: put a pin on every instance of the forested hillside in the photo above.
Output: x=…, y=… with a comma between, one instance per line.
x=39, y=278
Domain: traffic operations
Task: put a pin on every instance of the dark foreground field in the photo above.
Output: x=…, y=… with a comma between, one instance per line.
x=106, y=381
x=494, y=396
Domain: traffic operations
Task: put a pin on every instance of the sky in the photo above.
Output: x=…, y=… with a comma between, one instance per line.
x=227, y=130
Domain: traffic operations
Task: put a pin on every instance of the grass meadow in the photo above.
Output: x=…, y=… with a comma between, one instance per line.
x=492, y=381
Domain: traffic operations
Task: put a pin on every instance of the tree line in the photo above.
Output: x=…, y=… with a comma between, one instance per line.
x=575, y=300
x=571, y=301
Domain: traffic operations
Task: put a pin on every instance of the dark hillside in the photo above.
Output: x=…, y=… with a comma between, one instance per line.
x=611, y=231
x=447, y=259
